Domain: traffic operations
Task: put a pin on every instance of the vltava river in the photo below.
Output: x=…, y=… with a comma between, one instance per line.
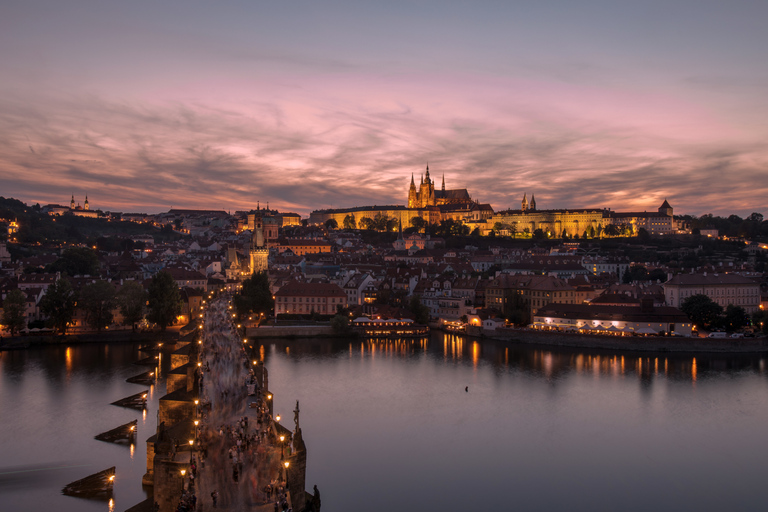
x=389, y=426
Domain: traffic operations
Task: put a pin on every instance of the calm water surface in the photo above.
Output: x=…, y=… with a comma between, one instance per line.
x=389, y=426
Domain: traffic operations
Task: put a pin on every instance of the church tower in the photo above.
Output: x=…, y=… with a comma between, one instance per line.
x=413, y=196
x=72, y=203
x=85, y=204
x=427, y=192
x=259, y=253
x=524, y=205
x=532, y=206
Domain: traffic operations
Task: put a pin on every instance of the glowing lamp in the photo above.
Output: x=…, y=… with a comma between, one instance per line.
x=183, y=472
x=277, y=418
x=191, y=442
x=286, y=463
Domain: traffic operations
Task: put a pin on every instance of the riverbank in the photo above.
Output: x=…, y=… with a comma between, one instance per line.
x=627, y=343
x=33, y=341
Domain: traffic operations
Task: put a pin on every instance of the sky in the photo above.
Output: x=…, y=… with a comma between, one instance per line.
x=305, y=105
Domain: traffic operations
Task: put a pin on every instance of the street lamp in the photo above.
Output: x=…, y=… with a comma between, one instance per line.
x=282, y=447
x=183, y=472
x=277, y=418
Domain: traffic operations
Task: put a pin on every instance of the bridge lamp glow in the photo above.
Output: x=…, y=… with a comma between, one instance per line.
x=286, y=463
x=197, y=422
x=277, y=418
x=183, y=472
x=191, y=442
x=269, y=397
x=197, y=402
x=112, y=478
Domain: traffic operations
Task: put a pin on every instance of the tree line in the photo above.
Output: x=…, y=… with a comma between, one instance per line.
x=161, y=304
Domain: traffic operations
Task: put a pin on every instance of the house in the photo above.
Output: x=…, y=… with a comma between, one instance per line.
x=305, y=298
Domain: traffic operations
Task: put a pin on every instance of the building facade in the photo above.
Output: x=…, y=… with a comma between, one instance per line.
x=724, y=289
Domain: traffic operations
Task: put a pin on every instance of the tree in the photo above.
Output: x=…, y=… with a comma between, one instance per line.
x=15, y=311
x=611, y=230
x=349, y=222
x=380, y=222
x=366, y=223
x=735, y=317
x=702, y=310
x=98, y=300
x=331, y=224
x=418, y=222
x=164, y=300
x=58, y=304
x=419, y=310
x=255, y=296
x=340, y=324
x=538, y=234
x=77, y=261
x=131, y=298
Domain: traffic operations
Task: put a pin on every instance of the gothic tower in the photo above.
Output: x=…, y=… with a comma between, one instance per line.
x=524, y=206
x=72, y=203
x=259, y=253
x=413, y=197
x=532, y=206
x=85, y=205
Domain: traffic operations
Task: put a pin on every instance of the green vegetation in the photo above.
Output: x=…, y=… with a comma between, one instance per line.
x=131, y=299
x=164, y=300
x=98, y=300
x=15, y=311
x=76, y=261
x=255, y=296
x=419, y=310
x=58, y=304
x=703, y=311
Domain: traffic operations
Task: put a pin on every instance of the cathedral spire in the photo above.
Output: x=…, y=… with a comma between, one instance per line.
x=443, y=182
x=533, y=202
x=525, y=203
x=413, y=183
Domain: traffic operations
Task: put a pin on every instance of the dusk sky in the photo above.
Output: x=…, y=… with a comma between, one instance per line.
x=305, y=105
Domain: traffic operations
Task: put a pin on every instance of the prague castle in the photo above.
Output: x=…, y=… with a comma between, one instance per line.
x=424, y=202
x=435, y=205
x=426, y=195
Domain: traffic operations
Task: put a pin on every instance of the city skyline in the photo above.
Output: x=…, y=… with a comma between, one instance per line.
x=303, y=106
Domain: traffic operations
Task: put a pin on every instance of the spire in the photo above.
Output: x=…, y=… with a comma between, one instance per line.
x=413, y=183
x=257, y=206
x=422, y=179
x=427, y=177
x=533, y=202
x=443, y=182
x=525, y=203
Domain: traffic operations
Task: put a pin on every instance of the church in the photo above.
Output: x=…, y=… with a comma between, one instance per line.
x=426, y=195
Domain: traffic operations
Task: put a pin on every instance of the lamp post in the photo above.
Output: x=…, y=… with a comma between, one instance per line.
x=282, y=447
x=183, y=472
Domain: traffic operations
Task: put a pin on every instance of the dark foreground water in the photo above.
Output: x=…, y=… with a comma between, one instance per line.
x=389, y=426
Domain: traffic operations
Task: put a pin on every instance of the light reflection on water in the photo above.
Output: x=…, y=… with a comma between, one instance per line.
x=389, y=425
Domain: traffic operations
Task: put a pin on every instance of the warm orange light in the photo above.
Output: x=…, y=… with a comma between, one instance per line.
x=277, y=418
x=286, y=464
x=183, y=472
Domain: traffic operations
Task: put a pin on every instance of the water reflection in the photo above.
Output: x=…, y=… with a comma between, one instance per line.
x=550, y=364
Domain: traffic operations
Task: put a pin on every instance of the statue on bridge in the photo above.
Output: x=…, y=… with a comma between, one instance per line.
x=296, y=415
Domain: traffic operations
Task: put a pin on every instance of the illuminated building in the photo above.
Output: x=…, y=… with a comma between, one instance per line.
x=259, y=253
